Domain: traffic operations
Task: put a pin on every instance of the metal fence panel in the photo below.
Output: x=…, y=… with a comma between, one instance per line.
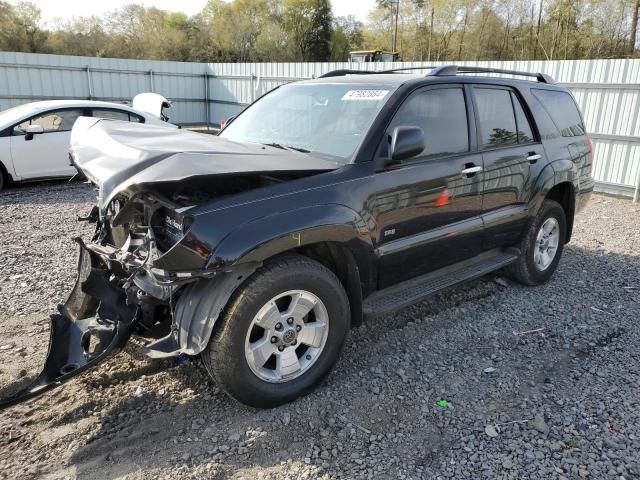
x=26, y=77
x=607, y=91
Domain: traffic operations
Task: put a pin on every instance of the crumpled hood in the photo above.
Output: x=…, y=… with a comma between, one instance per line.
x=117, y=156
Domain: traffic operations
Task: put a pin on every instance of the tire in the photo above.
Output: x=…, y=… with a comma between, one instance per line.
x=529, y=270
x=238, y=372
x=3, y=179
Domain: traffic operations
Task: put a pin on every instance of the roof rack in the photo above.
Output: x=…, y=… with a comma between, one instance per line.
x=341, y=73
x=447, y=70
x=443, y=71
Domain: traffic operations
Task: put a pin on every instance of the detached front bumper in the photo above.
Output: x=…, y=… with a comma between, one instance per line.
x=94, y=323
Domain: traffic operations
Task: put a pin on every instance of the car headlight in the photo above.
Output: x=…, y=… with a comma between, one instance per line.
x=169, y=227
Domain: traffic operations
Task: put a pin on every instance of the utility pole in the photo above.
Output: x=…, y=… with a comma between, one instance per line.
x=634, y=26
x=535, y=45
x=430, y=36
x=395, y=35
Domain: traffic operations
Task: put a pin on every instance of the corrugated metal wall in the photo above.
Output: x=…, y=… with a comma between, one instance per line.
x=608, y=92
x=28, y=77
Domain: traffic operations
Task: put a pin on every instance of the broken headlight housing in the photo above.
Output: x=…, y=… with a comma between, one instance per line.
x=169, y=227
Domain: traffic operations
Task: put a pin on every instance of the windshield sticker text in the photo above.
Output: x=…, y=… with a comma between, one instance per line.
x=365, y=94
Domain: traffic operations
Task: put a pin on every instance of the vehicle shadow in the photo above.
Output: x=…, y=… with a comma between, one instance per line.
x=391, y=375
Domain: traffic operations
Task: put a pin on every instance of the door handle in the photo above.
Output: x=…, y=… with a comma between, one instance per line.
x=534, y=157
x=471, y=170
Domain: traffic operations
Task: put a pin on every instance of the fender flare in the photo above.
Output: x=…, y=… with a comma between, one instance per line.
x=242, y=252
x=545, y=181
x=280, y=232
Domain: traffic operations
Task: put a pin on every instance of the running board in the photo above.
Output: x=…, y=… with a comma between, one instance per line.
x=417, y=289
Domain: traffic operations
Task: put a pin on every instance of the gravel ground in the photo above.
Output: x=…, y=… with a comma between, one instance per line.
x=561, y=402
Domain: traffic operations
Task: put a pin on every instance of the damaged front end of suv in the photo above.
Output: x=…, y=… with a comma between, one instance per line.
x=150, y=268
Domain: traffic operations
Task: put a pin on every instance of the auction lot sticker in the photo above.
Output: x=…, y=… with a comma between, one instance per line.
x=365, y=94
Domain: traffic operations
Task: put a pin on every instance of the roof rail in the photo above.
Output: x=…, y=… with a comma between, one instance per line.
x=343, y=72
x=406, y=69
x=447, y=70
x=442, y=71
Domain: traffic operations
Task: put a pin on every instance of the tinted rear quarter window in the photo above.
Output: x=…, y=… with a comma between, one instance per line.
x=563, y=111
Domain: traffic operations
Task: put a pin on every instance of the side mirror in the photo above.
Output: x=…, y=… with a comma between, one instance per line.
x=33, y=130
x=406, y=142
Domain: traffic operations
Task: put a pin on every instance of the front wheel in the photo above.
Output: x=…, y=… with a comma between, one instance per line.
x=281, y=333
x=542, y=245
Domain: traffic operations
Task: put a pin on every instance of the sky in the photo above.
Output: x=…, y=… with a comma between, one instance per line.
x=66, y=9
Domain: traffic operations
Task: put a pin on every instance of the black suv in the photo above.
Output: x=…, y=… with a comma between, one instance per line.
x=324, y=202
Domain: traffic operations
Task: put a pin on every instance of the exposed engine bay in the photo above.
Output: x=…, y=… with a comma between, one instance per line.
x=144, y=271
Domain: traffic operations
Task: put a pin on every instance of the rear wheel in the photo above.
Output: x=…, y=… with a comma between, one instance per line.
x=3, y=179
x=542, y=245
x=281, y=333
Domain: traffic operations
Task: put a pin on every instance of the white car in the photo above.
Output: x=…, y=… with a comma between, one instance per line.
x=34, y=137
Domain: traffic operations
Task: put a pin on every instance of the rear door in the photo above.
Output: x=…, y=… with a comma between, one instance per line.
x=426, y=209
x=44, y=154
x=512, y=156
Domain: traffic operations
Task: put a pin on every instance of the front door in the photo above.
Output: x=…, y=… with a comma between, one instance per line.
x=44, y=154
x=427, y=209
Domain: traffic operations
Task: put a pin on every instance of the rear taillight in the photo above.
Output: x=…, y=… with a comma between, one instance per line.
x=590, y=144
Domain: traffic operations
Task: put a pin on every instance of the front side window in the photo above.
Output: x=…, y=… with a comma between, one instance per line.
x=328, y=119
x=442, y=115
x=56, y=121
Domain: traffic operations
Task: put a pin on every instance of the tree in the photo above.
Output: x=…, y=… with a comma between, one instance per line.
x=305, y=30
x=20, y=29
x=308, y=25
x=345, y=37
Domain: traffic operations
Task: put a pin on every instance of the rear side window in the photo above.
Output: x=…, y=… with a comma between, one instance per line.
x=525, y=134
x=502, y=120
x=497, y=119
x=442, y=115
x=117, y=115
x=563, y=111
x=112, y=114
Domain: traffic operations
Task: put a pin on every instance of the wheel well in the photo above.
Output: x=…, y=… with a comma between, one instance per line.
x=337, y=258
x=563, y=193
x=5, y=174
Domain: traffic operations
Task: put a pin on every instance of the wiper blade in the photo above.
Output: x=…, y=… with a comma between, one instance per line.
x=298, y=149
x=276, y=145
x=286, y=147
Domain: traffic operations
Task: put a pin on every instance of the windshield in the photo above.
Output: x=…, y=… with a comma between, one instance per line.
x=324, y=119
x=16, y=113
